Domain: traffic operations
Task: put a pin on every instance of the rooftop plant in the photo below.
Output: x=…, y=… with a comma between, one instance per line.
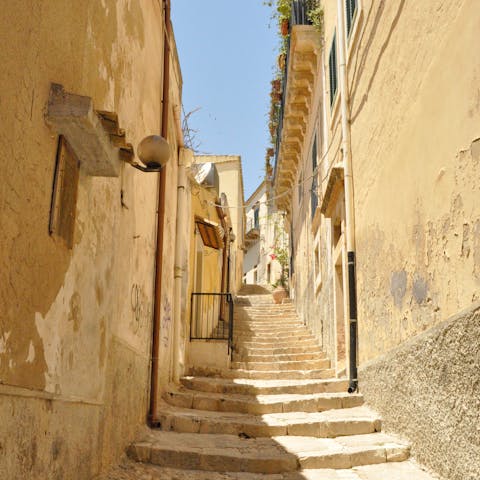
x=282, y=12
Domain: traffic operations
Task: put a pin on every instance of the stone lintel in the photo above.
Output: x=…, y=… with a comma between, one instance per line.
x=74, y=117
x=335, y=183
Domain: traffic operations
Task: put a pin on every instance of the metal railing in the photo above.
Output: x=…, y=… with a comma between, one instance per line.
x=211, y=317
x=298, y=17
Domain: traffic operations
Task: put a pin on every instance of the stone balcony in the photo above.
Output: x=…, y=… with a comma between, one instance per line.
x=302, y=72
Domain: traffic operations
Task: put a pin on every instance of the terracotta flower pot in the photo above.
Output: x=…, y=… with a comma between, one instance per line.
x=279, y=294
x=284, y=27
x=276, y=84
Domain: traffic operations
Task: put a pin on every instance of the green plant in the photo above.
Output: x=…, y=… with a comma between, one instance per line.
x=315, y=15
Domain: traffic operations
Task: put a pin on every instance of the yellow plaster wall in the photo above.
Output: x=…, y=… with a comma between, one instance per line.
x=72, y=343
x=414, y=79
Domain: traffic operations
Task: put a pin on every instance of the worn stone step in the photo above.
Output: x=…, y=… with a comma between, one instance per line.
x=249, y=317
x=248, y=357
x=281, y=454
x=326, y=424
x=274, y=350
x=286, y=328
x=263, y=341
x=323, y=373
x=272, y=332
x=345, y=452
x=316, y=364
x=260, y=404
x=273, y=336
x=252, y=346
x=131, y=470
x=265, y=387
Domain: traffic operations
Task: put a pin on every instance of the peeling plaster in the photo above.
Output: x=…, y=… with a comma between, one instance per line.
x=398, y=287
x=420, y=289
x=3, y=342
x=31, y=353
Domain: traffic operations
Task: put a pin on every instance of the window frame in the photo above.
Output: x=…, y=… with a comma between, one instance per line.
x=333, y=72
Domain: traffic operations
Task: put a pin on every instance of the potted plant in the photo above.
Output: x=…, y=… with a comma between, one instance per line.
x=280, y=292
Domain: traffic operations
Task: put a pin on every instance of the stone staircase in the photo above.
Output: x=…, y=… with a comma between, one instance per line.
x=278, y=414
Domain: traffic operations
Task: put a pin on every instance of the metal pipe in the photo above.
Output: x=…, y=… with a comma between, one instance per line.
x=152, y=414
x=349, y=200
x=179, y=259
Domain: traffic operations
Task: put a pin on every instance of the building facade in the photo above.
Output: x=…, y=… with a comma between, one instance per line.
x=377, y=165
x=265, y=237
x=229, y=168
x=83, y=275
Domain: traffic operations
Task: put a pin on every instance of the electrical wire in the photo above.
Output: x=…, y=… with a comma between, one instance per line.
x=269, y=202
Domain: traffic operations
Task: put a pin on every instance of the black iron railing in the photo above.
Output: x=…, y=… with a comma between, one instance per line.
x=299, y=16
x=211, y=317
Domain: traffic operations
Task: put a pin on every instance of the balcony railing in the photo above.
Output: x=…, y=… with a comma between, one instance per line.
x=211, y=317
x=299, y=16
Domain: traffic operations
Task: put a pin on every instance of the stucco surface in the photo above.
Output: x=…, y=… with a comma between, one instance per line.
x=415, y=131
x=428, y=390
x=75, y=325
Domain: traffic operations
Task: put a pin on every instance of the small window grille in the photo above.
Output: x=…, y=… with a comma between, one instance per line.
x=350, y=10
x=332, y=67
x=64, y=195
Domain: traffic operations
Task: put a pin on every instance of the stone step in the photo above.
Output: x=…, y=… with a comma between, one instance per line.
x=265, y=387
x=323, y=373
x=316, y=364
x=327, y=424
x=260, y=404
x=267, y=326
x=286, y=341
x=130, y=470
x=271, y=332
x=304, y=334
x=264, y=321
x=248, y=357
x=274, y=350
x=254, y=347
x=281, y=454
x=290, y=328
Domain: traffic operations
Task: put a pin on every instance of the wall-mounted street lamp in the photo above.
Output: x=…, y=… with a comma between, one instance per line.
x=154, y=152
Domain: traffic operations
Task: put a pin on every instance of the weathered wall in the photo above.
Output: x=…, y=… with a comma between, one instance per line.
x=74, y=350
x=416, y=160
x=201, y=354
x=272, y=234
x=231, y=183
x=428, y=389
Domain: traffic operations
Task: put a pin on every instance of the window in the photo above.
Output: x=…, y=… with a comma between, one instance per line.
x=64, y=195
x=350, y=11
x=332, y=68
x=256, y=222
x=313, y=191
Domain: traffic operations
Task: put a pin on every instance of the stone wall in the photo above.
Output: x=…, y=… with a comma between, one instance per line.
x=428, y=390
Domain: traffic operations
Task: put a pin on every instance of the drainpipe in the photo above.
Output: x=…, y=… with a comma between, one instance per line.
x=349, y=201
x=152, y=414
x=179, y=259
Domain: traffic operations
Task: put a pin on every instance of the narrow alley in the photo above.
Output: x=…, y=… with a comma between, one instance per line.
x=279, y=414
x=240, y=240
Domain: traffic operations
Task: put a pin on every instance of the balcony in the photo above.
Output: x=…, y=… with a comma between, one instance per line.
x=299, y=79
x=252, y=231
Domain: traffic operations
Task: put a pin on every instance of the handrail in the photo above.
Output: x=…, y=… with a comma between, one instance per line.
x=211, y=317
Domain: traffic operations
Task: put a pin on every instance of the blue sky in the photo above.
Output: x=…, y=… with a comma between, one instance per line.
x=227, y=51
